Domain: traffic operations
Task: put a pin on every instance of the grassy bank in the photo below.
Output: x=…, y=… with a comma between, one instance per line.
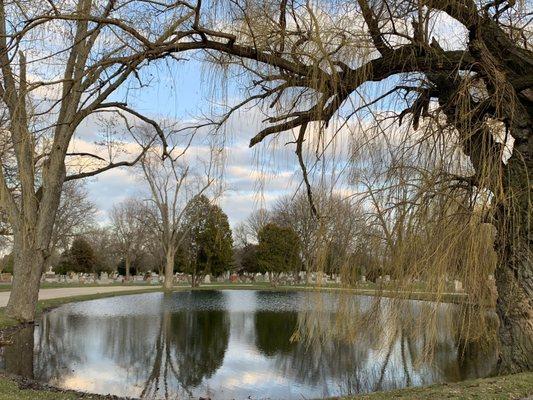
x=363, y=290
x=16, y=389
x=517, y=386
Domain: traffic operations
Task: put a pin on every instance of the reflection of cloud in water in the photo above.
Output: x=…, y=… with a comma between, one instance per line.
x=96, y=378
x=230, y=344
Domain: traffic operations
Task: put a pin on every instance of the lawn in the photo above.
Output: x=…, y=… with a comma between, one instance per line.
x=518, y=386
x=12, y=390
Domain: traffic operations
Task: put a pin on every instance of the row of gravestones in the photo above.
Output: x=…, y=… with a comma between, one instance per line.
x=51, y=277
x=104, y=278
x=455, y=285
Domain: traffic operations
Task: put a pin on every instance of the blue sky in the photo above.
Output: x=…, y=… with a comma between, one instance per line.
x=181, y=91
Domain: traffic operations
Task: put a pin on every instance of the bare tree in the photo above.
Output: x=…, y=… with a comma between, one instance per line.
x=104, y=242
x=130, y=229
x=75, y=215
x=172, y=186
x=248, y=230
x=327, y=242
x=60, y=62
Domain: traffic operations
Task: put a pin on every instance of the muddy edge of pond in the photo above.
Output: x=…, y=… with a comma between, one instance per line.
x=30, y=384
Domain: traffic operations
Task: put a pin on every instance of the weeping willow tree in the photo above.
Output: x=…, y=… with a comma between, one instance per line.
x=456, y=75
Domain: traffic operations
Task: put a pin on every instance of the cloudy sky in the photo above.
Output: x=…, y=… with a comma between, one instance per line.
x=181, y=92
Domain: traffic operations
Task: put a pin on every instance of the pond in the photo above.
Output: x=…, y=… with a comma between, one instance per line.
x=224, y=345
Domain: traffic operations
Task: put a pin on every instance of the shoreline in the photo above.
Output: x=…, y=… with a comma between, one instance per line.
x=9, y=326
x=517, y=386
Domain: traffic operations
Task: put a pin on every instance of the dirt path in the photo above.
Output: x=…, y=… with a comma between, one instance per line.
x=45, y=294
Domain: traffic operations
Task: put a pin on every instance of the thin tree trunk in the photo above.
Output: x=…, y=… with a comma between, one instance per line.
x=169, y=270
x=127, y=266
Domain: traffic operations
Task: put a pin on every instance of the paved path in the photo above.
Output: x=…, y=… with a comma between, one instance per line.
x=45, y=294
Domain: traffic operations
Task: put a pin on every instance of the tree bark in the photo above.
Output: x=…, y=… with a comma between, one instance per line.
x=32, y=233
x=514, y=274
x=169, y=270
x=503, y=66
x=514, y=280
x=127, y=266
x=28, y=266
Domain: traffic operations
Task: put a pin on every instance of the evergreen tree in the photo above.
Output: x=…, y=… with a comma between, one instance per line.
x=208, y=246
x=278, y=250
x=82, y=256
x=248, y=259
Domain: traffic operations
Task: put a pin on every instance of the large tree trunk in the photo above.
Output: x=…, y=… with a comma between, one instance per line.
x=503, y=66
x=514, y=274
x=28, y=263
x=514, y=280
x=32, y=232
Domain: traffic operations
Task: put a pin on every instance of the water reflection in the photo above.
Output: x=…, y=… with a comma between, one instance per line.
x=190, y=347
x=232, y=344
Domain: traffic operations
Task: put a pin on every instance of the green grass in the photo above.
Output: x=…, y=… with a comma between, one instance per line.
x=516, y=386
x=11, y=390
x=6, y=287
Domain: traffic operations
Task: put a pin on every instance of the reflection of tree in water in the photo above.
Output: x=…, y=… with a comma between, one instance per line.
x=18, y=356
x=189, y=348
x=200, y=339
x=65, y=340
x=167, y=354
x=273, y=331
x=170, y=354
x=391, y=351
x=315, y=363
x=130, y=342
x=56, y=348
x=58, y=345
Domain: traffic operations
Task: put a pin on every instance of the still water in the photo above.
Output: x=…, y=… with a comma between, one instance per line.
x=226, y=345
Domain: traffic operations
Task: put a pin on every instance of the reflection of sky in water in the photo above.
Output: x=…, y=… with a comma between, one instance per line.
x=229, y=344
